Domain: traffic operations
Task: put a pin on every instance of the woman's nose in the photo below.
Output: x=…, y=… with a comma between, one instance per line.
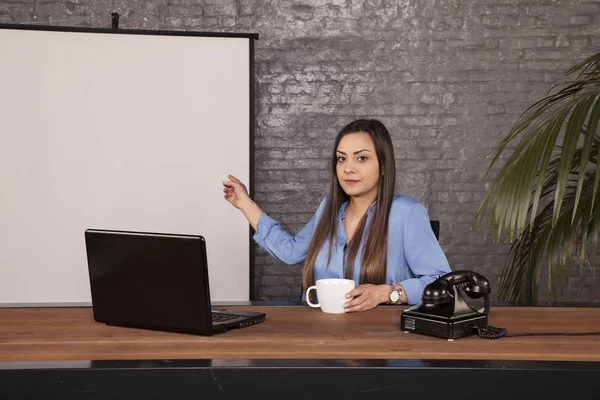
x=349, y=166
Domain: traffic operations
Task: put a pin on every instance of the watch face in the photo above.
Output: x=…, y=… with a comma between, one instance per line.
x=394, y=296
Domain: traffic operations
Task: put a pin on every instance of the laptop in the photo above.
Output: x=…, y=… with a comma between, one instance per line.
x=156, y=281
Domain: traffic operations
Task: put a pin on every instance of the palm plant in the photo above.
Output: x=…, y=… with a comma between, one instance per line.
x=554, y=167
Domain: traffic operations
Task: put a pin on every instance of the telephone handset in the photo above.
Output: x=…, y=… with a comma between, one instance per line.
x=444, y=311
x=445, y=288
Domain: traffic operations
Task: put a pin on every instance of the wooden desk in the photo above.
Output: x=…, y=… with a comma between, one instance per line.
x=298, y=347
x=296, y=332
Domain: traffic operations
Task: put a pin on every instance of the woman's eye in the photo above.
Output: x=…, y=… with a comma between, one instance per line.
x=341, y=159
x=362, y=158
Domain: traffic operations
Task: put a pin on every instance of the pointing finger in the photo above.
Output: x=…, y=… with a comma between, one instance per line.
x=230, y=184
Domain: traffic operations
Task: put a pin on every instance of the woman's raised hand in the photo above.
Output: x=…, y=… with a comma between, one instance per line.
x=235, y=191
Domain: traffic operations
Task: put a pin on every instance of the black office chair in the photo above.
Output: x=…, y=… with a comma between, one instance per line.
x=435, y=226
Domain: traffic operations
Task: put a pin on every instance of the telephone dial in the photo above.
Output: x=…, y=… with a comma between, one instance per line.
x=444, y=311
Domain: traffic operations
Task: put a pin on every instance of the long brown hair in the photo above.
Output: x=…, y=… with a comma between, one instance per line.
x=374, y=260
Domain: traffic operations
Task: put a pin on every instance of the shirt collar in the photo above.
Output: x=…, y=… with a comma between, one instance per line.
x=342, y=212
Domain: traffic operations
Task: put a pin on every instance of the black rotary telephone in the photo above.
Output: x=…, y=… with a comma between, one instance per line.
x=445, y=313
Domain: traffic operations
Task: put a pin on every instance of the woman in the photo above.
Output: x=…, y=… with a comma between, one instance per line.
x=361, y=230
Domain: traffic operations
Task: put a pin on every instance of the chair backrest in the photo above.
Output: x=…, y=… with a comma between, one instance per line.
x=435, y=226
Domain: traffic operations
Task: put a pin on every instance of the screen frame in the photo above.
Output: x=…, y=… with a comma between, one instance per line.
x=252, y=81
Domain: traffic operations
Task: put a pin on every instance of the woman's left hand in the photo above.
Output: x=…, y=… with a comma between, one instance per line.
x=367, y=297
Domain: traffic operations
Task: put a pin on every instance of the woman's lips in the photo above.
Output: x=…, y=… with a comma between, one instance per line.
x=351, y=181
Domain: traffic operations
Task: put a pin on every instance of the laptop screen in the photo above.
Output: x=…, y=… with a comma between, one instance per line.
x=159, y=281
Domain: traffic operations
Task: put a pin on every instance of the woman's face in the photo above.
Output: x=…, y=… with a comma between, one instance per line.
x=357, y=165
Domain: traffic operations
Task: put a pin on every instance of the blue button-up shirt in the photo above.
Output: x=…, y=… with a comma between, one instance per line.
x=414, y=255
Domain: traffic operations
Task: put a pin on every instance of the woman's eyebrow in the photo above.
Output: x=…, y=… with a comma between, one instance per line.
x=356, y=152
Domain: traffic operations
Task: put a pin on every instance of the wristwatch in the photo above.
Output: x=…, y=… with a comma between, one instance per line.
x=395, y=294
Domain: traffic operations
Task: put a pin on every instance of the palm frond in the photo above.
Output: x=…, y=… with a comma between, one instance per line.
x=511, y=192
x=554, y=246
x=554, y=166
x=588, y=68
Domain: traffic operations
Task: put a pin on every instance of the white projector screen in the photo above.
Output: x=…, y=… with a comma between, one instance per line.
x=131, y=131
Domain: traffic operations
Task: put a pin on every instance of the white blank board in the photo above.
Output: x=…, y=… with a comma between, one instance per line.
x=123, y=132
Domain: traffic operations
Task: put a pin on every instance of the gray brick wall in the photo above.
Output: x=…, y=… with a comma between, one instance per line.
x=448, y=78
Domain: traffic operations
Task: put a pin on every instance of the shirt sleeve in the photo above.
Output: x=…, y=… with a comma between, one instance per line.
x=424, y=256
x=291, y=249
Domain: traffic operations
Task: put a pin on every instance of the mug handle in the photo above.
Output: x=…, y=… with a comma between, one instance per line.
x=308, y=298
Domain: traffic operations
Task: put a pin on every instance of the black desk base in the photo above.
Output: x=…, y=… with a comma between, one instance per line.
x=300, y=379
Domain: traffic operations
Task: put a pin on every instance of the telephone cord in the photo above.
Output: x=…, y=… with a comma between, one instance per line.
x=489, y=332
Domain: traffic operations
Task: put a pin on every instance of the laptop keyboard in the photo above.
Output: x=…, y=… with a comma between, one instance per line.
x=218, y=317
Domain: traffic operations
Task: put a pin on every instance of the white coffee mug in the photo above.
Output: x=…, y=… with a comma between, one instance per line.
x=331, y=294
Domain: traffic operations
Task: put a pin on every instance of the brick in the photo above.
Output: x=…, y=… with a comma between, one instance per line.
x=16, y=13
x=188, y=11
x=546, y=42
x=543, y=54
x=579, y=41
x=581, y=20
x=561, y=65
x=526, y=21
x=248, y=7
x=187, y=2
x=51, y=9
x=521, y=43
x=221, y=8
x=500, y=21
x=562, y=41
